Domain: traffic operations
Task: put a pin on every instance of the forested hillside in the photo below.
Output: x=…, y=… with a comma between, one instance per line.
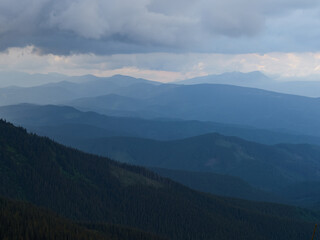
x=85, y=187
x=20, y=220
x=263, y=166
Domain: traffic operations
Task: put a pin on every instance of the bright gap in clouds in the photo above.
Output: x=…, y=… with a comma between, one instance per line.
x=163, y=67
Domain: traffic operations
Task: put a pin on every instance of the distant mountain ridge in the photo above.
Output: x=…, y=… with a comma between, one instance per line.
x=257, y=79
x=67, y=89
x=130, y=97
x=66, y=124
x=214, y=102
x=250, y=79
x=23, y=79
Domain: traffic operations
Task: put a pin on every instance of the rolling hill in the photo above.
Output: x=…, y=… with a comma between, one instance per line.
x=213, y=102
x=302, y=86
x=87, y=131
x=269, y=167
x=130, y=97
x=67, y=89
x=219, y=184
x=254, y=79
x=67, y=125
x=85, y=187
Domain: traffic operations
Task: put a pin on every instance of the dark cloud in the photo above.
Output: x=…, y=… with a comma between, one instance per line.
x=126, y=26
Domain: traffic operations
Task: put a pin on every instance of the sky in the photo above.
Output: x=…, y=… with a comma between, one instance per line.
x=161, y=40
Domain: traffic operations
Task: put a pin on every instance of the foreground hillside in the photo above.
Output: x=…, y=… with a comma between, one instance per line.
x=84, y=187
x=19, y=220
x=23, y=221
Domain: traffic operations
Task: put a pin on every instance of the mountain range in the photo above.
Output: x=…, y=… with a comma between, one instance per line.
x=66, y=124
x=270, y=167
x=256, y=79
x=212, y=102
x=85, y=187
x=68, y=89
x=297, y=86
x=264, y=166
x=130, y=97
x=220, y=139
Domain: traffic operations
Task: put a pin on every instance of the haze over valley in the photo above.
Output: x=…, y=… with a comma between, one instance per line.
x=159, y=120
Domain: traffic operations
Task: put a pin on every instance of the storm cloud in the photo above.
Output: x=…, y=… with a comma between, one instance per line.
x=125, y=26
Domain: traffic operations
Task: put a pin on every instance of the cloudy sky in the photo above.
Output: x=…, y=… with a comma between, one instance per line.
x=163, y=40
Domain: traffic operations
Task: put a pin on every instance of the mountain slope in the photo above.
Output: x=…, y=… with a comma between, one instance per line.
x=296, y=86
x=23, y=221
x=68, y=125
x=20, y=220
x=218, y=184
x=124, y=96
x=14, y=78
x=263, y=166
x=67, y=89
x=218, y=103
x=251, y=79
x=85, y=187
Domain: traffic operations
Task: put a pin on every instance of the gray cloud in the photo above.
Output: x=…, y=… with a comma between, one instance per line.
x=126, y=26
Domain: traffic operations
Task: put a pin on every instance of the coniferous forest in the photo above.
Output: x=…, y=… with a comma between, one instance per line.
x=95, y=190
x=20, y=220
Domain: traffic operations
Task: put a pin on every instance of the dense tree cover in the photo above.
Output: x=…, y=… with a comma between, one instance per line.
x=85, y=187
x=21, y=220
x=219, y=184
x=268, y=167
x=119, y=232
x=24, y=222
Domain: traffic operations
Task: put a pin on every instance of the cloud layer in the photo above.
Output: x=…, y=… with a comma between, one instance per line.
x=126, y=26
x=164, y=67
